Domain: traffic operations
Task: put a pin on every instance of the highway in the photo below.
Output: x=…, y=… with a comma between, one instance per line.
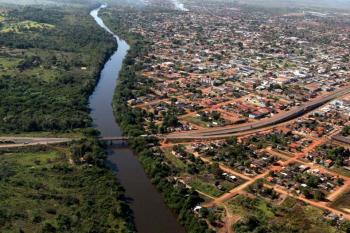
x=222, y=132
x=257, y=126
x=12, y=142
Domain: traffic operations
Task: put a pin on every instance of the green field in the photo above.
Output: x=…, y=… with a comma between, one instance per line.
x=196, y=121
x=174, y=161
x=42, y=191
x=291, y=216
x=341, y=170
x=343, y=202
x=205, y=187
x=26, y=25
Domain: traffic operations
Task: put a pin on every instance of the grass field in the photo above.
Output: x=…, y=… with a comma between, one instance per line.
x=290, y=216
x=27, y=25
x=173, y=160
x=341, y=171
x=7, y=64
x=196, y=121
x=205, y=187
x=25, y=175
x=41, y=191
x=343, y=202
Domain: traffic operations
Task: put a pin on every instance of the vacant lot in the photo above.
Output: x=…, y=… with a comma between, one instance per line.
x=290, y=216
x=343, y=203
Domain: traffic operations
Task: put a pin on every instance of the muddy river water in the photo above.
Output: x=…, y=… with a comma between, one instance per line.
x=150, y=213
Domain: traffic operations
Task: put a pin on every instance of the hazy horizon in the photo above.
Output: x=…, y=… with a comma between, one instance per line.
x=338, y=4
x=181, y=4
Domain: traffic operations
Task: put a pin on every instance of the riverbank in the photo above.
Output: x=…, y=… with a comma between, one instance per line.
x=179, y=199
x=48, y=72
x=47, y=77
x=149, y=211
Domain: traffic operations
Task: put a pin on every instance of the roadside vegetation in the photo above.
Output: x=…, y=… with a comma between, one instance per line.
x=345, y=131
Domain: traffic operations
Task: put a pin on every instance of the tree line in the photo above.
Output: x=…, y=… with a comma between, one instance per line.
x=180, y=199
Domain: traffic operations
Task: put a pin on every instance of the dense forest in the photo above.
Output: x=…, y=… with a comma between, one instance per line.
x=49, y=63
x=50, y=59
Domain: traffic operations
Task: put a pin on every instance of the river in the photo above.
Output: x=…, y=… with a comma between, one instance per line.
x=151, y=215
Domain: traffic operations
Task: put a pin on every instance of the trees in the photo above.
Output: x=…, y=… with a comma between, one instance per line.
x=180, y=200
x=313, y=181
x=231, y=141
x=248, y=225
x=29, y=62
x=170, y=120
x=216, y=115
x=319, y=195
x=88, y=150
x=46, y=90
x=346, y=131
x=216, y=170
x=63, y=223
x=56, y=196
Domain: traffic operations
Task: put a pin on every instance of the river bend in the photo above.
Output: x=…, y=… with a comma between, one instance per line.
x=150, y=213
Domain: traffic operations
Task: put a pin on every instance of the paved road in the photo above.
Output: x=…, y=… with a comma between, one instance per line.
x=207, y=133
x=252, y=127
x=12, y=142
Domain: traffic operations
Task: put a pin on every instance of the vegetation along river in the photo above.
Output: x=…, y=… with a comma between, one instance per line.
x=150, y=213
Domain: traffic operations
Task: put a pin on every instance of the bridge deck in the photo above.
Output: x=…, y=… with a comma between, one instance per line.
x=114, y=138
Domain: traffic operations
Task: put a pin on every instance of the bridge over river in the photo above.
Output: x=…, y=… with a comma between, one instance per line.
x=217, y=133
x=114, y=139
x=251, y=128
